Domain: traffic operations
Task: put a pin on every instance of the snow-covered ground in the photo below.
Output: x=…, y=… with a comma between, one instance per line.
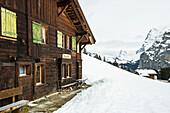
x=117, y=91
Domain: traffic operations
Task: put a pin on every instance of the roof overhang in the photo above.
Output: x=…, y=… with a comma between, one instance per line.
x=74, y=12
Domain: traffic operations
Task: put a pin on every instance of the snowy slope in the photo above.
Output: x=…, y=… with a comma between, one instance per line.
x=117, y=91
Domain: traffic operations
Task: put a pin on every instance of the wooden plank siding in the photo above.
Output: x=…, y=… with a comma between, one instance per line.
x=25, y=51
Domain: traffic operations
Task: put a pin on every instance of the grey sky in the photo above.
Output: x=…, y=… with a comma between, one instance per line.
x=125, y=20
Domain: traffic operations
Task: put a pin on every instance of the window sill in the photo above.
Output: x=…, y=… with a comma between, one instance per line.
x=6, y=38
x=39, y=84
x=44, y=44
x=66, y=78
x=23, y=75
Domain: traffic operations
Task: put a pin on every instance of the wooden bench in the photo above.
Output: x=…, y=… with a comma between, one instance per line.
x=13, y=106
x=12, y=93
x=69, y=85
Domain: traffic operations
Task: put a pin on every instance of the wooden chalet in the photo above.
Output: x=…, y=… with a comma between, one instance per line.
x=40, y=47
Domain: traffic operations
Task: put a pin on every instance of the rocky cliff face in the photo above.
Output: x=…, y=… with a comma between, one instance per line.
x=155, y=50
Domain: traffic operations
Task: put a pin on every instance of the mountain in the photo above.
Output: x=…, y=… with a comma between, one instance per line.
x=128, y=55
x=153, y=36
x=155, y=52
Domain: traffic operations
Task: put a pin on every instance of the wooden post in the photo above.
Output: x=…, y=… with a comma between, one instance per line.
x=13, y=99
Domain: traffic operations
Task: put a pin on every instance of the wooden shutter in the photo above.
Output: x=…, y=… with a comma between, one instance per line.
x=14, y=24
x=3, y=21
x=74, y=43
x=36, y=27
x=28, y=69
x=59, y=39
x=8, y=23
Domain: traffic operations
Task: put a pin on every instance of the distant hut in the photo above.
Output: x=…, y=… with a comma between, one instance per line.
x=149, y=73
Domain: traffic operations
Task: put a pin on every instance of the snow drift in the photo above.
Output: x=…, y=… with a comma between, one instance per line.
x=117, y=91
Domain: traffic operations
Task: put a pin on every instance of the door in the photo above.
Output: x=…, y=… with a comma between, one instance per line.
x=77, y=66
x=59, y=64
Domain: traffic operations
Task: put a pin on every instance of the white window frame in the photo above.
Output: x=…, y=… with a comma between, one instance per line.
x=63, y=41
x=23, y=74
x=68, y=42
x=38, y=83
x=44, y=37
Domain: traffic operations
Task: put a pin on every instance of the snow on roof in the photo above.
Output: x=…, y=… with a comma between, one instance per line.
x=146, y=71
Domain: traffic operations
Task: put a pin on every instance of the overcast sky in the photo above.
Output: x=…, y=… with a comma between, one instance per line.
x=124, y=20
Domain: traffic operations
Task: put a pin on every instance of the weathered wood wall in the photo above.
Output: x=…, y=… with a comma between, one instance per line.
x=44, y=12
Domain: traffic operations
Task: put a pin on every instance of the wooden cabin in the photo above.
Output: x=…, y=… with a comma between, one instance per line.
x=40, y=47
x=149, y=73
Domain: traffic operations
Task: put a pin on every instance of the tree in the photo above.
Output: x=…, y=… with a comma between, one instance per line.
x=99, y=58
x=104, y=59
x=85, y=51
x=129, y=70
x=115, y=63
x=158, y=74
x=165, y=73
x=122, y=67
x=96, y=56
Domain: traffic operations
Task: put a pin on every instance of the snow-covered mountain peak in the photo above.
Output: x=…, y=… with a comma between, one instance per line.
x=154, y=35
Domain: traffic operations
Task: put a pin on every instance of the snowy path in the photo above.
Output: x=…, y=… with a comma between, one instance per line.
x=117, y=91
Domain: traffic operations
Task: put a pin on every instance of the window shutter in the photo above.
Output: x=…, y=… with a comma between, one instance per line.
x=59, y=39
x=36, y=27
x=74, y=43
x=8, y=23
x=14, y=23
x=3, y=21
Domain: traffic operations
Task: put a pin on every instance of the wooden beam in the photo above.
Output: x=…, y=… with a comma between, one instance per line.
x=84, y=19
x=10, y=93
x=71, y=21
x=13, y=99
x=80, y=39
x=74, y=7
x=83, y=47
x=86, y=43
x=63, y=9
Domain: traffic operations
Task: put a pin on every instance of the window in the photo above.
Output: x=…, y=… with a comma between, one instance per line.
x=68, y=42
x=73, y=43
x=63, y=41
x=24, y=70
x=59, y=39
x=63, y=71
x=39, y=74
x=44, y=35
x=66, y=71
x=8, y=23
x=78, y=48
x=39, y=33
